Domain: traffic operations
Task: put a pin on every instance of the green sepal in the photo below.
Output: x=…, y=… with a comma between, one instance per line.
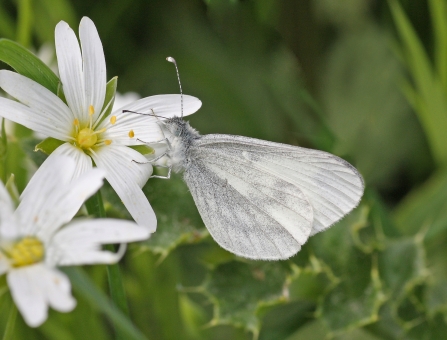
x=48, y=145
x=27, y=64
x=110, y=97
x=60, y=93
x=143, y=149
x=11, y=187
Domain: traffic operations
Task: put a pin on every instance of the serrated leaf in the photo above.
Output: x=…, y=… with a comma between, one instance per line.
x=238, y=290
x=27, y=64
x=48, y=145
x=178, y=221
x=353, y=303
x=400, y=279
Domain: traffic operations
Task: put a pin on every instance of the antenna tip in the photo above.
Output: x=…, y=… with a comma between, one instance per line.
x=170, y=59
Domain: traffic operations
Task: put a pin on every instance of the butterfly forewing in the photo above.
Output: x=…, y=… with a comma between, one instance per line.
x=331, y=185
x=249, y=212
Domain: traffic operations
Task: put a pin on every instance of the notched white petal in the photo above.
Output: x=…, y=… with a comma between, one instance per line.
x=49, y=108
x=80, y=242
x=144, y=126
x=126, y=177
x=36, y=287
x=94, y=65
x=26, y=289
x=69, y=60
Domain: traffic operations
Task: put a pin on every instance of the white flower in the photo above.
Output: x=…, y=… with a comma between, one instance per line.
x=79, y=124
x=33, y=242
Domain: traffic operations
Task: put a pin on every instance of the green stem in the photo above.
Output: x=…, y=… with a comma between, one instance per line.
x=24, y=22
x=95, y=206
x=9, y=330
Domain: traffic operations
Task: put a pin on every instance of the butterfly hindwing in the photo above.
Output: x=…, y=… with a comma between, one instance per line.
x=249, y=212
x=331, y=185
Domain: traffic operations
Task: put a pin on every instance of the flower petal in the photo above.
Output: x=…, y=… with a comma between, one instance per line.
x=145, y=127
x=57, y=289
x=35, y=287
x=94, y=65
x=27, y=295
x=127, y=177
x=53, y=197
x=25, y=116
x=69, y=61
x=47, y=108
x=80, y=242
x=82, y=160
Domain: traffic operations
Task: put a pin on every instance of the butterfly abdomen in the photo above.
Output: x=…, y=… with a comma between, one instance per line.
x=181, y=137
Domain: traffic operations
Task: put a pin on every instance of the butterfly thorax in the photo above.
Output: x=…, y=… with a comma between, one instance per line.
x=181, y=136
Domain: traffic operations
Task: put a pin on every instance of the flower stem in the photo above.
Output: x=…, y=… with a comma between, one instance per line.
x=95, y=206
x=9, y=330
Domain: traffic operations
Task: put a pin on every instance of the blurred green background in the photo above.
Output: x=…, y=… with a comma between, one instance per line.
x=363, y=79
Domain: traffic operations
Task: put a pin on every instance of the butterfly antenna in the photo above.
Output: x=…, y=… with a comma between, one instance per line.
x=172, y=60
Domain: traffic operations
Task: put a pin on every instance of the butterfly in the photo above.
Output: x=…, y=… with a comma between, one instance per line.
x=261, y=200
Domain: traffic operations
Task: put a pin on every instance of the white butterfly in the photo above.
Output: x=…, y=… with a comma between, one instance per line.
x=259, y=199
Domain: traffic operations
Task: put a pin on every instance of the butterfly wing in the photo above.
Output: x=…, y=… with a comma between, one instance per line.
x=251, y=213
x=332, y=186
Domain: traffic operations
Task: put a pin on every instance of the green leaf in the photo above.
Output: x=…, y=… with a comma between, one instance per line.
x=425, y=207
x=84, y=286
x=239, y=291
x=48, y=145
x=428, y=84
x=438, y=13
x=27, y=64
x=9, y=331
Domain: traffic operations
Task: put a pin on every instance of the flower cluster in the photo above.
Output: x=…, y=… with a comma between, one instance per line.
x=94, y=143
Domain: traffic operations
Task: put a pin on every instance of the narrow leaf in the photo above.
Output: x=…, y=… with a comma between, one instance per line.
x=27, y=64
x=84, y=286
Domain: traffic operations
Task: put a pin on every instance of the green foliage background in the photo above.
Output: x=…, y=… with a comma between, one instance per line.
x=366, y=80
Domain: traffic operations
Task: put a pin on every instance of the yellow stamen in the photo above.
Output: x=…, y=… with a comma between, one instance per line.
x=91, y=110
x=28, y=250
x=76, y=122
x=107, y=142
x=101, y=131
x=86, y=138
x=113, y=120
x=131, y=134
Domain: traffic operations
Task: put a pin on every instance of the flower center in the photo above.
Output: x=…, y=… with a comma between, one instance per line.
x=86, y=138
x=28, y=250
